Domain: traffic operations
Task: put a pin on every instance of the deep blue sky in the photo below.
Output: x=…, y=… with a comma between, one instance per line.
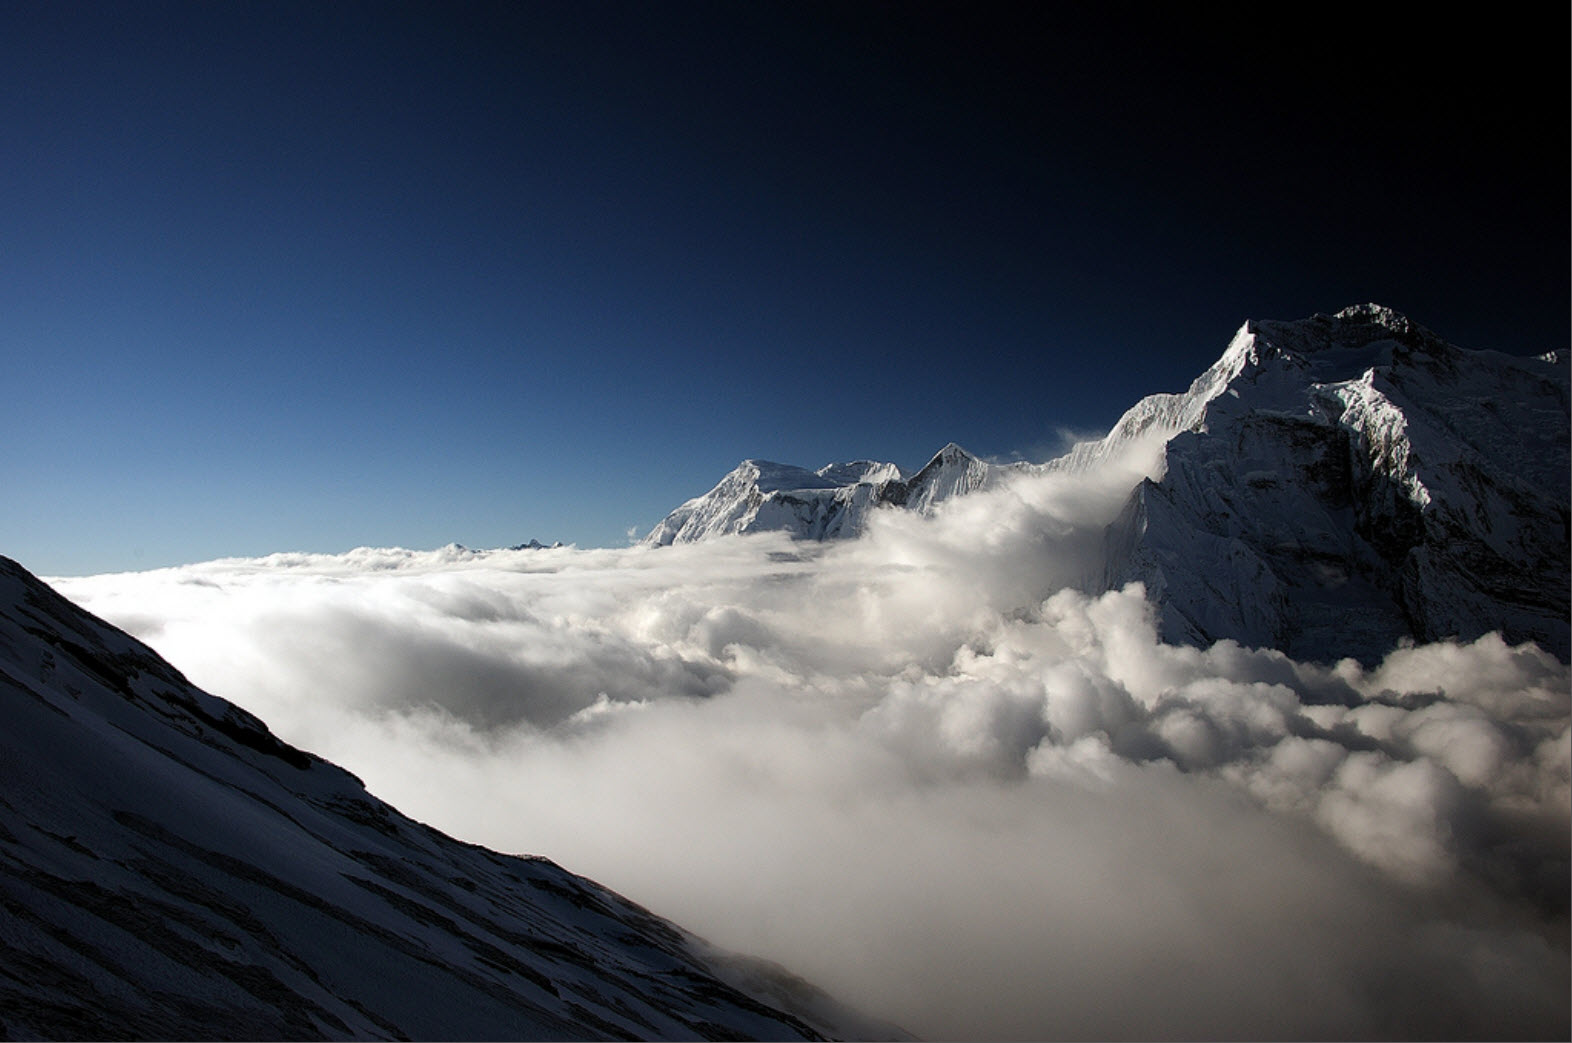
x=311, y=276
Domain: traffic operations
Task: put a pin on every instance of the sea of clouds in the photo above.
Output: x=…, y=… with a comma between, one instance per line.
x=923, y=771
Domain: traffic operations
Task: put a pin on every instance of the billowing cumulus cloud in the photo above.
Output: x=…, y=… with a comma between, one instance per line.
x=924, y=771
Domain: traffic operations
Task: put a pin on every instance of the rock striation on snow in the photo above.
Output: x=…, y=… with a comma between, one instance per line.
x=171, y=870
x=1329, y=487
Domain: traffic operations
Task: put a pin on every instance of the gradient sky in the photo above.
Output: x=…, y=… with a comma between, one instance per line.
x=307, y=277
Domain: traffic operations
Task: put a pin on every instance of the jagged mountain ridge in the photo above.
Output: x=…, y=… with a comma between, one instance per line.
x=1328, y=487
x=831, y=503
x=169, y=869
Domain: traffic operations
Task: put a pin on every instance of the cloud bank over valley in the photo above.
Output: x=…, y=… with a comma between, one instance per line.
x=926, y=772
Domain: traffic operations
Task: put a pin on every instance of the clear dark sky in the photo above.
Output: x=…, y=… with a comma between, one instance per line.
x=304, y=277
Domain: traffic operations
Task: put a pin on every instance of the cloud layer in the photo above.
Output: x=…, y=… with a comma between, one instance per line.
x=923, y=772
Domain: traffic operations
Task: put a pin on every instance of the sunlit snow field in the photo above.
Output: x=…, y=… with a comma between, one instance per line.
x=923, y=771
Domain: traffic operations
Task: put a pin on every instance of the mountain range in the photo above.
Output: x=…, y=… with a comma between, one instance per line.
x=830, y=503
x=1329, y=487
x=169, y=868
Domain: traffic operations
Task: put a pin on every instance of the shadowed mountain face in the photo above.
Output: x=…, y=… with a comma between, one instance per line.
x=170, y=869
x=1340, y=484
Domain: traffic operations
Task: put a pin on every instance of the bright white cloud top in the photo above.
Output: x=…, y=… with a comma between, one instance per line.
x=919, y=770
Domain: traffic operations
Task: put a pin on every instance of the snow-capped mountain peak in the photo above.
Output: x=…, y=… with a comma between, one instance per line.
x=833, y=502
x=1334, y=484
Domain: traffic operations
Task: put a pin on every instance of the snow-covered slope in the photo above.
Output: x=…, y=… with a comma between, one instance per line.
x=169, y=869
x=1334, y=485
x=830, y=503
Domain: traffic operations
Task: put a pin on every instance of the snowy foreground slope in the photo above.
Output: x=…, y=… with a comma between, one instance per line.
x=1328, y=487
x=169, y=869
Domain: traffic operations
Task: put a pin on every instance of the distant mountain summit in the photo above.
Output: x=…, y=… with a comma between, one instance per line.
x=831, y=503
x=1328, y=487
x=169, y=869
